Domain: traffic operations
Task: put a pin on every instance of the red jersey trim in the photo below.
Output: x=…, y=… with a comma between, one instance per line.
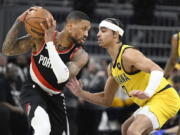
x=73, y=53
x=40, y=49
x=40, y=77
x=67, y=50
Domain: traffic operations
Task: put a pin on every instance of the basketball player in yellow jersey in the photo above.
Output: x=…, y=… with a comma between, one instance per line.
x=141, y=78
x=175, y=54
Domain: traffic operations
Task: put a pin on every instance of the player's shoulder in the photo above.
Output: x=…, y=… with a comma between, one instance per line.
x=130, y=50
x=80, y=54
x=80, y=51
x=130, y=55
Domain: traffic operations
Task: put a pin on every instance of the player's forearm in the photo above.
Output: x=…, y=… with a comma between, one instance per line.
x=96, y=98
x=58, y=66
x=11, y=37
x=73, y=69
x=155, y=78
x=169, y=67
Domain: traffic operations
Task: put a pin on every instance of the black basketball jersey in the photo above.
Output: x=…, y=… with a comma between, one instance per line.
x=40, y=68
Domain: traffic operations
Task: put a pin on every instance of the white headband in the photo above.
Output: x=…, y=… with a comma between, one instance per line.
x=112, y=26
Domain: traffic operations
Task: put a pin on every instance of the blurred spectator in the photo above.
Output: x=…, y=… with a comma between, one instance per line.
x=22, y=64
x=12, y=119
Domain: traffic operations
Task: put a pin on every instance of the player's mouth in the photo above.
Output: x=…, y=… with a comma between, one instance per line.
x=82, y=40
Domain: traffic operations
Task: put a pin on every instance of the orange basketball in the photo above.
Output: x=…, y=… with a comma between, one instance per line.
x=33, y=20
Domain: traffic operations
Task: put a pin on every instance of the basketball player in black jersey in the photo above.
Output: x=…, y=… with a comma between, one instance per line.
x=55, y=59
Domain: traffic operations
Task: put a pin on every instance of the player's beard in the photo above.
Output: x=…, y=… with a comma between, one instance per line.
x=75, y=41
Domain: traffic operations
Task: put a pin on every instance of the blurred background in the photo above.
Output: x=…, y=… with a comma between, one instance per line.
x=149, y=25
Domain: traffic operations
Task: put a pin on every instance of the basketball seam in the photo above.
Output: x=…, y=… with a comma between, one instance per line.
x=32, y=25
x=36, y=17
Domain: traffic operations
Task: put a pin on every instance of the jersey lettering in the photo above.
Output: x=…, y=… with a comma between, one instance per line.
x=122, y=78
x=44, y=61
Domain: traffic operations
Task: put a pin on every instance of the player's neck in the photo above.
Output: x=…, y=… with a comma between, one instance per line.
x=113, y=50
x=63, y=39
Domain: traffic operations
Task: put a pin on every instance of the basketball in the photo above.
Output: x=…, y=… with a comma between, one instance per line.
x=33, y=20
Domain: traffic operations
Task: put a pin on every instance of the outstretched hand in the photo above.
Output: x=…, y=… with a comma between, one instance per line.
x=75, y=86
x=139, y=94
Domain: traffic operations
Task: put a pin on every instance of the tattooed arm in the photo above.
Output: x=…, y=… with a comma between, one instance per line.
x=14, y=45
x=78, y=61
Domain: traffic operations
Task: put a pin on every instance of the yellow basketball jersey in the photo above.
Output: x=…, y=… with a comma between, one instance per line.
x=132, y=81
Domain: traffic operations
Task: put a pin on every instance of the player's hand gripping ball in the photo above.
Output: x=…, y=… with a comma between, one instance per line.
x=33, y=20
